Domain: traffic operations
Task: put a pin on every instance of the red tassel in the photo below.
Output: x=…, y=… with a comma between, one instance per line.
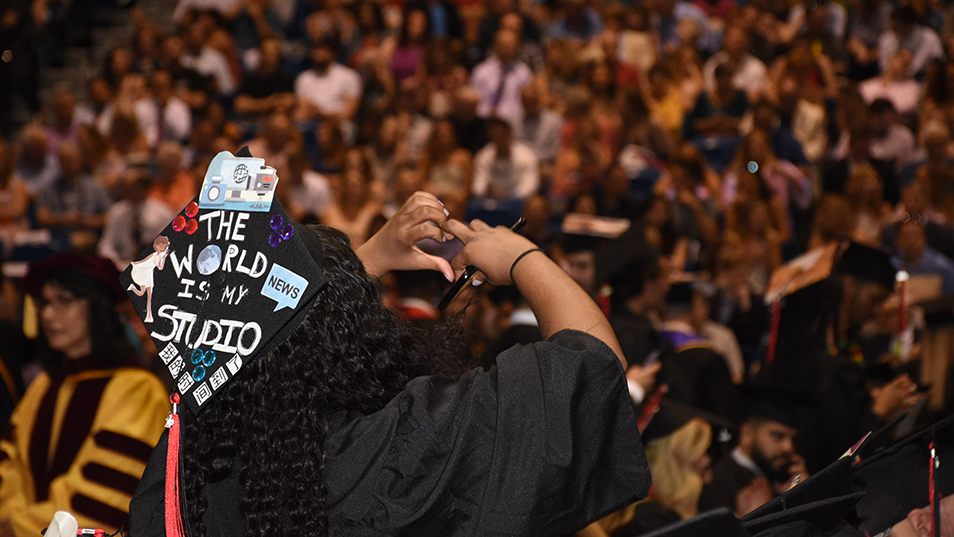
x=931, y=489
x=773, y=333
x=174, y=526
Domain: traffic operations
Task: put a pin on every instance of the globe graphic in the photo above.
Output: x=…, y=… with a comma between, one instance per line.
x=240, y=174
x=209, y=260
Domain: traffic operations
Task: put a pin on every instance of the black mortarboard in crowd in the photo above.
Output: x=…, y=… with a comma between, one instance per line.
x=627, y=259
x=719, y=522
x=227, y=280
x=669, y=416
x=821, y=498
x=774, y=403
x=573, y=243
x=867, y=263
x=813, y=518
x=899, y=478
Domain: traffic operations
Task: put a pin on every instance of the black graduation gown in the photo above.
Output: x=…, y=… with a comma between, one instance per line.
x=542, y=444
x=728, y=479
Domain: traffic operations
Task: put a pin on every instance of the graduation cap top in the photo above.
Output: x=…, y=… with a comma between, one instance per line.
x=775, y=403
x=832, y=482
x=719, y=522
x=868, y=263
x=626, y=258
x=227, y=280
x=671, y=415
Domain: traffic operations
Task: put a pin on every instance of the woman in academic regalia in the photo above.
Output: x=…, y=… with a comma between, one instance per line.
x=80, y=437
x=339, y=431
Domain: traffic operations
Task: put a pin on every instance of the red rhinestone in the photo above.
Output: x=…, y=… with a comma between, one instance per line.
x=192, y=209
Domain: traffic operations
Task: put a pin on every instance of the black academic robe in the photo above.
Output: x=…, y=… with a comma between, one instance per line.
x=542, y=444
x=728, y=479
x=639, y=339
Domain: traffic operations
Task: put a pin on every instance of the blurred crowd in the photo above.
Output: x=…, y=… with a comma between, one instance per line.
x=733, y=135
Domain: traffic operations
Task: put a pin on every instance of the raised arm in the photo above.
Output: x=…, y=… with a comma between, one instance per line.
x=556, y=300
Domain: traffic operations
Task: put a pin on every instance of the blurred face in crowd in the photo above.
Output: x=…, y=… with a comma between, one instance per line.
x=322, y=56
x=736, y=42
x=63, y=105
x=416, y=25
x=914, y=198
x=658, y=213
x=408, y=182
x=602, y=78
x=512, y=22
x=271, y=59
x=530, y=97
x=658, y=82
x=758, y=147
x=355, y=186
x=161, y=84
x=911, y=241
x=99, y=91
x=136, y=185
x=64, y=318
x=70, y=159
x=120, y=62
x=277, y=132
x=500, y=136
x=771, y=445
x=581, y=268
x=172, y=48
x=506, y=45
x=33, y=145
x=537, y=212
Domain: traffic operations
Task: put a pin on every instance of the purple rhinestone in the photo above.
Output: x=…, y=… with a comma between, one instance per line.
x=276, y=222
x=274, y=239
x=288, y=231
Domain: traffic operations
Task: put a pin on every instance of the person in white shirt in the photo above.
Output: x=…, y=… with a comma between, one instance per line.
x=749, y=73
x=905, y=33
x=895, y=84
x=175, y=117
x=133, y=222
x=328, y=89
x=207, y=61
x=500, y=78
x=505, y=169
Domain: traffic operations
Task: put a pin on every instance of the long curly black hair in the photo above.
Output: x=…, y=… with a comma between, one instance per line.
x=350, y=352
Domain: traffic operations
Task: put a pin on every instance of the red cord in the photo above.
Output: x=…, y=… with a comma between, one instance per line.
x=934, y=514
x=773, y=334
x=173, y=509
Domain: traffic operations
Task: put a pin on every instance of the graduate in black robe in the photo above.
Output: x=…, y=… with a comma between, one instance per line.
x=339, y=429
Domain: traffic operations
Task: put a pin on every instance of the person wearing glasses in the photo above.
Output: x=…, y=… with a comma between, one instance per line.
x=80, y=437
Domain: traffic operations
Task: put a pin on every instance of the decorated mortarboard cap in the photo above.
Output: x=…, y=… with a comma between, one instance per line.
x=227, y=280
x=831, y=483
x=867, y=263
x=96, y=270
x=719, y=522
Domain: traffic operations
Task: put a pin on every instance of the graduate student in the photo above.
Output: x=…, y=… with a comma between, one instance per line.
x=318, y=413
